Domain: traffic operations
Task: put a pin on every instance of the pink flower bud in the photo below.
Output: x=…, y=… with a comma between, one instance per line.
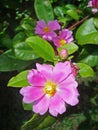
x=63, y=54
x=75, y=69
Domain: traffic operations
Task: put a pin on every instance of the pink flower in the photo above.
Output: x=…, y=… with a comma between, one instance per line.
x=46, y=31
x=65, y=36
x=94, y=5
x=51, y=88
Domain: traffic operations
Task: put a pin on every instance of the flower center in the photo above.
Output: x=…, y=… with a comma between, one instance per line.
x=50, y=88
x=62, y=42
x=46, y=29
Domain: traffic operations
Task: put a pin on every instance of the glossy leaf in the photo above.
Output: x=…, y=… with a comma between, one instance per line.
x=43, y=10
x=73, y=13
x=58, y=11
x=38, y=122
x=89, y=55
x=41, y=47
x=87, y=33
x=19, y=37
x=8, y=62
x=71, y=48
x=85, y=70
x=28, y=24
x=24, y=52
x=96, y=22
x=19, y=80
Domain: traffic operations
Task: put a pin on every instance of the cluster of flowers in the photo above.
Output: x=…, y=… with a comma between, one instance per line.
x=47, y=31
x=52, y=87
x=94, y=5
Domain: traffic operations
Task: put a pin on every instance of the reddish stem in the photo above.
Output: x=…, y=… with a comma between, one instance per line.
x=79, y=22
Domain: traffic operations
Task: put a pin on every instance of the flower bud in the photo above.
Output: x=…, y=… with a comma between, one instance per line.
x=63, y=54
x=75, y=69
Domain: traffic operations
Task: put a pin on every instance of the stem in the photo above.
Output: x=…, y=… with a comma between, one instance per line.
x=79, y=22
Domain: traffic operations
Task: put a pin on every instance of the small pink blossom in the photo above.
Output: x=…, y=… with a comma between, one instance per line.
x=63, y=54
x=46, y=31
x=65, y=36
x=51, y=88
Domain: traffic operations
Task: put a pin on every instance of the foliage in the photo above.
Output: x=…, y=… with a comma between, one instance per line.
x=21, y=48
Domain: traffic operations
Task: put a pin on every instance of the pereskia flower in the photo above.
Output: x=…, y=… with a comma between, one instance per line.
x=65, y=37
x=47, y=31
x=51, y=88
x=94, y=5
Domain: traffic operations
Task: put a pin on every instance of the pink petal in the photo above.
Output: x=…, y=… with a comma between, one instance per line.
x=40, y=26
x=46, y=70
x=67, y=35
x=44, y=67
x=57, y=77
x=89, y=3
x=68, y=91
x=41, y=23
x=54, y=25
x=49, y=35
x=57, y=105
x=69, y=95
x=41, y=106
x=68, y=82
x=56, y=41
x=36, y=78
x=30, y=94
x=39, y=31
x=31, y=74
x=64, y=68
x=69, y=40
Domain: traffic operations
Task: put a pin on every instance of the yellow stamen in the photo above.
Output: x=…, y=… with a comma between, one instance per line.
x=50, y=88
x=46, y=29
x=62, y=42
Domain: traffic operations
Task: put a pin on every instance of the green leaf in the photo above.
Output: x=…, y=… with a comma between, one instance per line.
x=87, y=33
x=38, y=122
x=71, y=48
x=28, y=24
x=19, y=80
x=43, y=10
x=73, y=13
x=19, y=37
x=41, y=47
x=58, y=11
x=6, y=41
x=85, y=70
x=48, y=121
x=8, y=62
x=96, y=22
x=89, y=55
x=27, y=106
x=24, y=52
